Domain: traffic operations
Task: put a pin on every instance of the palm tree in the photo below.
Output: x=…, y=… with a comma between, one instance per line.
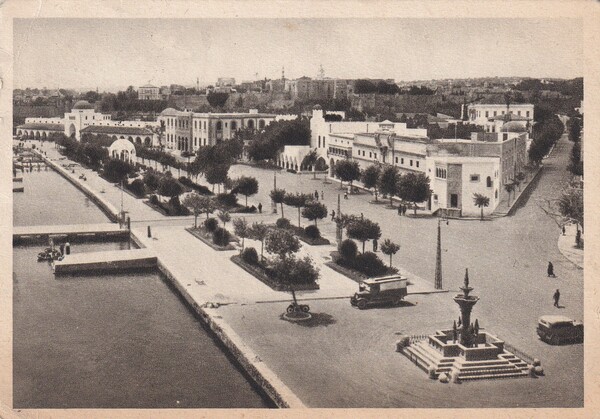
x=224, y=216
x=481, y=201
x=509, y=187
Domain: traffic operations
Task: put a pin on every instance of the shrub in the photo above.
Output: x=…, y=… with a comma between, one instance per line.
x=227, y=200
x=348, y=249
x=202, y=190
x=175, y=207
x=137, y=187
x=221, y=237
x=250, y=256
x=283, y=223
x=211, y=224
x=312, y=232
x=246, y=210
x=153, y=200
x=369, y=264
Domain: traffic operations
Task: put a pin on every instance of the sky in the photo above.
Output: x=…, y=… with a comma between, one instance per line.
x=116, y=53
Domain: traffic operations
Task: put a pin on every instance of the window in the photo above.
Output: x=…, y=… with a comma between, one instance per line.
x=225, y=124
x=396, y=160
x=375, y=155
x=487, y=113
x=519, y=113
x=411, y=162
x=488, y=182
x=495, y=113
x=440, y=173
x=195, y=124
x=505, y=136
x=233, y=125
x=219, y=126
x=474, y=178
x=435, y=197
x=370, y=154
x=417, y=163
x=402, y=160
x=204, y=124
x=527, y=114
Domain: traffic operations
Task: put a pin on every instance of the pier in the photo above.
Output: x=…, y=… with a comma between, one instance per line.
x=72, y=233
x=111, y=260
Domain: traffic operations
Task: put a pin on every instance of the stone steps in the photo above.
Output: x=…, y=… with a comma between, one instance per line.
x=514, y=374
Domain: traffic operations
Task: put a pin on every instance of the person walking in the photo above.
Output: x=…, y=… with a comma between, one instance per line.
x=551, y=270
x=556, y=298
x=345, y=195
x=332, y=215
x=404, y=208
x=400, y=210
x=322, y=195
x=259, y=208
x=563, y=230
x=316, y=195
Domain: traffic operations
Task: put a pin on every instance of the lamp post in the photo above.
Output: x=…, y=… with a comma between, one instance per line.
x=273, y=204
x=438, y=258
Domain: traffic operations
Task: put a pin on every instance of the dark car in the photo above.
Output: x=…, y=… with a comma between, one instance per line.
x=559, y=329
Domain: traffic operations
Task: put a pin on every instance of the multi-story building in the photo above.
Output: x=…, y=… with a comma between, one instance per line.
x=149, y=92
x=188, y=131
x=225, y=82
x=84, y=119
x=493, y=116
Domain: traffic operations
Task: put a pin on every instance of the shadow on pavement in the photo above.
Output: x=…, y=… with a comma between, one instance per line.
x=317, y=319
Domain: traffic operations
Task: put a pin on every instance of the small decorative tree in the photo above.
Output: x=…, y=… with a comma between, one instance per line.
x=388, y=182
x=241, y=229
x=389, y=248
x=297, y=200
x=246, y=186
x=208, y=205
x=370, y=178
x=414, y=188
x=278, y=196
x=363, y=229
x=314, y=211
x=282, y=243
x=224, y=216
x=168, y=186
x=347, y=171
x=481, y=201
x=259, y=231
x=195, y=202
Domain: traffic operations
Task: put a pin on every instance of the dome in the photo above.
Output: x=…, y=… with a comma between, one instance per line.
x=317, y=107
x=170, y=111
x=83, y=104
x=513, y=126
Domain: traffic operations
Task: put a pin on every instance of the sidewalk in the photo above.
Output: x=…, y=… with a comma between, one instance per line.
x=566, y=245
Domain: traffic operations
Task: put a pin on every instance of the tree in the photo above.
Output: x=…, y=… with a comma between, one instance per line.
x=282, y=243
x=363, y=229
x=509, y=187
x=224, y=216
x=278, y=196
x=520, y=177
x=246, y=186
x=481, y=201
x=370, y=177
x=297, y=200
x=151, y=180
x=314, y=211
x=241, y=229
x=195, y=202
x=208, y=205
x=259, y=231
x=292, y=271
x=388, y=181
x=168, y=186
x=347, y=171
x=217, y=174
x=414, y=188
x=117, y=170
x=310, y=160
x=217, y=100
x=389, y=248
x=571, y=205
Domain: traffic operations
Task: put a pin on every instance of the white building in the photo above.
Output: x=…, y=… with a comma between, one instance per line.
x=149, y=92
x=492, y=116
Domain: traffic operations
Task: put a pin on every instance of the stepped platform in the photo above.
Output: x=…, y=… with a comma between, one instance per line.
x=71, y=233
x=106, y=261
x=485, y=361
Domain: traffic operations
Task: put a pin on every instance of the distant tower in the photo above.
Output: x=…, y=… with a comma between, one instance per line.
x=282, y=73
x=321, y=72
x=197, y=84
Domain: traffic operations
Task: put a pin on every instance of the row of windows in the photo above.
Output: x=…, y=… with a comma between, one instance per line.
x=410, y=162
x=487, y=113
x=185, y=123
x=441, y=173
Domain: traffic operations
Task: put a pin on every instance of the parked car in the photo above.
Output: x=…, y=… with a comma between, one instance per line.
x=559, y=329
x=389, y=289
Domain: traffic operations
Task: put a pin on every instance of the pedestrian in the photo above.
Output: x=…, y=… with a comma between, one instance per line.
x=404, y=208
x=362, y=216
x=322, y=195
x=259, y=208
x=551, y=270
x=375, y=245
x=316, y=195
x=332, y=215
x=399, y=209
x=345, y=195
x=563, y=230
x=556, y=298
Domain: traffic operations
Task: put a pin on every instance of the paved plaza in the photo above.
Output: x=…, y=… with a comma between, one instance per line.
x=345, y=357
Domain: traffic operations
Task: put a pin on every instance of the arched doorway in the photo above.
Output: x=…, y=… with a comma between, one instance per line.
x=219, y=126
x=233, y=125
x=251, y=123
x=72, y=130
x=138, y=140
x=37, y=135
x=44, y=136
x=261, y=124
x=130, y=138
x=147, y=141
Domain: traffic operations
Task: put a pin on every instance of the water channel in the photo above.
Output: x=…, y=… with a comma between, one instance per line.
x=107, y=341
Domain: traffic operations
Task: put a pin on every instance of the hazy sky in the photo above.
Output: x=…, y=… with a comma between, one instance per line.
x=109, y=53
